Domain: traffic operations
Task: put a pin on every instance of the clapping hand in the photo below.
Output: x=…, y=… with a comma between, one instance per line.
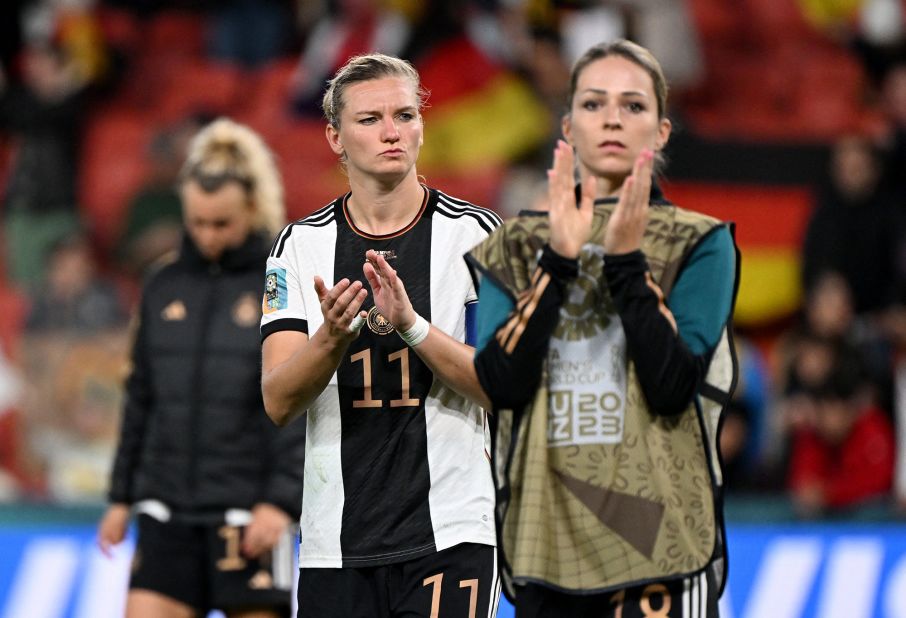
x=390, y=295
x=570, y=226
x=630, y=217
x=339, y=306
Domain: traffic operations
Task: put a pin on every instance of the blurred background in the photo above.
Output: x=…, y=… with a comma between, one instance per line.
x=789, y=119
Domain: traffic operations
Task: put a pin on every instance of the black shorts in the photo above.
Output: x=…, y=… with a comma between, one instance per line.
x=201, y=566
x=460, y=581
x=693, y=597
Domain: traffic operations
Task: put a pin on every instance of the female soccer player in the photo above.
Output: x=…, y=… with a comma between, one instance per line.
x=398, y=506
x=215, y=486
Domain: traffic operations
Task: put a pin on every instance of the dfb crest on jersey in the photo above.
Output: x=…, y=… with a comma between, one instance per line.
x=378, y=324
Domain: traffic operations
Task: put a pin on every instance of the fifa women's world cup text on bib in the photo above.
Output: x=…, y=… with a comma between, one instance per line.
x=586, y=362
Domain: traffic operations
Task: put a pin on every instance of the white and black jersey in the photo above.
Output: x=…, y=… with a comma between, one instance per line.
x=396, y=464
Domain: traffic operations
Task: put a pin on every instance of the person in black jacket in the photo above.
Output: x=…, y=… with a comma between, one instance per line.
x=214, y=484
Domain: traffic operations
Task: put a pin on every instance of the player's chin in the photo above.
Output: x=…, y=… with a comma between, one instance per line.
x=611, y=178
x=393, y=168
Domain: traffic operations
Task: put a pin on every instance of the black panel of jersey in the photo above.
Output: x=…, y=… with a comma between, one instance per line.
x=383, y=386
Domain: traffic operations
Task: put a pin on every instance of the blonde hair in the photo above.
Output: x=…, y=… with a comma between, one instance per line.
x=226, y=151
x=364, y=68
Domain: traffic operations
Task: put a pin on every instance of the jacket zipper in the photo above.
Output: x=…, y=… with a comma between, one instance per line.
x=211, y=279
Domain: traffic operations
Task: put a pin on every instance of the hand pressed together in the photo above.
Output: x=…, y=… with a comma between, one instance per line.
x=390, y=295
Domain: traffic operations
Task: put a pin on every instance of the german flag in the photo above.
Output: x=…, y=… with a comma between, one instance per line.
x=480, y=116
x=770, y=225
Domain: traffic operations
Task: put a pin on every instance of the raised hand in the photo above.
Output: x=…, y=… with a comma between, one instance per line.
x=389, y=293
x=570, y=226
x=626, y=227
x=339, y=306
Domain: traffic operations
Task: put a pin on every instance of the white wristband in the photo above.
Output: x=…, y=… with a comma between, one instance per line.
x=417, y=332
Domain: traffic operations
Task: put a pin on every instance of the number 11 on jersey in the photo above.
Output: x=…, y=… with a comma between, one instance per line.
x=367, y=400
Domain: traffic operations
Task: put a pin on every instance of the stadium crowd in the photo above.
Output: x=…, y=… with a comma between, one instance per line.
x=98, y=101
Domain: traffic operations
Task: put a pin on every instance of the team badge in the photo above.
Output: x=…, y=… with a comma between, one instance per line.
x=274, y=290
x=174, y=312
x=378, y=324
x=245, y=311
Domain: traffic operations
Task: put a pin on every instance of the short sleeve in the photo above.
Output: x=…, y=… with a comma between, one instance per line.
x=282, y=303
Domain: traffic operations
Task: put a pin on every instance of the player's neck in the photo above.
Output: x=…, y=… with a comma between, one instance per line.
x=607, y=186
x=378, y=208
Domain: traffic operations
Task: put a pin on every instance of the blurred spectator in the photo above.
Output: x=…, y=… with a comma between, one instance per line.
x=878, y=36
x=893, y=320
x=73, y=27
x=548, y=72
x=744, y=427
x=882, y=23
x=9, y=484
x=845, y=457
x=740, y=473
x=44, y=118
x=350, y=27
x=153, y=225
x=74, y=299
x=250, y=32
x=805, y=357
x=809, y=362
x=856, y=233
x=10, y=391
x=73, y=355
x=893, y=100
x=73, y=436
x=664, y=26
x=524, y=186
x=587, y=23
x=10, y=32
x=853, y=229
x=667, y=28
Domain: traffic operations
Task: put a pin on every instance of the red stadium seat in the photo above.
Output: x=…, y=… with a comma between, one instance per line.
x=266, y=104
x=175, y=33
x=12, y=318
x=120, y=28
x=113, y=168
x=311, y=174
x=715, y=19
x=198, y=85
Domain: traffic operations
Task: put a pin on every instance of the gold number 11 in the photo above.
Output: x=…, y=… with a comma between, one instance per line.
x=367, y=400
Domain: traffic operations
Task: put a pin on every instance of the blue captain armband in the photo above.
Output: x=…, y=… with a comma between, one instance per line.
x=472, y=323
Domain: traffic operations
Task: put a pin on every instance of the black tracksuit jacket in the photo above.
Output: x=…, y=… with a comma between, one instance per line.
x=194, y=433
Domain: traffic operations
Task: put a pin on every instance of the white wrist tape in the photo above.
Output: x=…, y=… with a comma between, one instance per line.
x=417, y=332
